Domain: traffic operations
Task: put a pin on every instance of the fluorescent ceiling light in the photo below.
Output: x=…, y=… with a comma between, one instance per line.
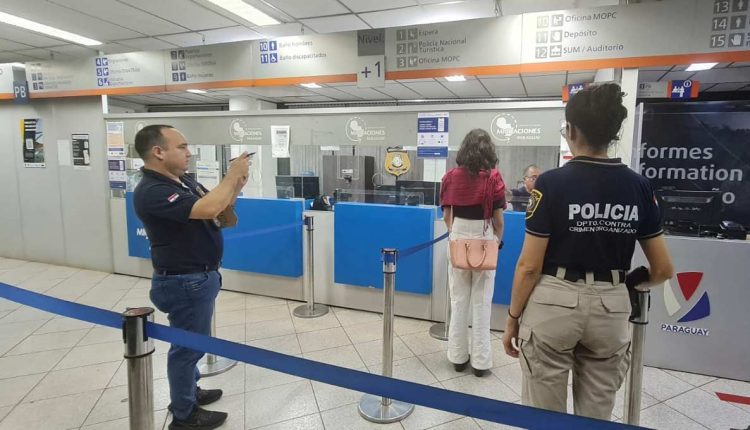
x=19, y=65
x=245, y=11
x=45, y=29
x=455, y=78
x=450, y=2
x=196, y=91
x=311, y=85
x=700, y=66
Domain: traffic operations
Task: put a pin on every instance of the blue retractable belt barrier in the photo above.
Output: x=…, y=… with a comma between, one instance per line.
x=414, y=249
x=431, y=397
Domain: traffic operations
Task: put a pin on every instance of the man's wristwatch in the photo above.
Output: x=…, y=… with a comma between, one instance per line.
x=500, y=245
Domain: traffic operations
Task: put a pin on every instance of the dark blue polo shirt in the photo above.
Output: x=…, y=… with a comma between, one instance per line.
x=593, y=211
x=178, y=243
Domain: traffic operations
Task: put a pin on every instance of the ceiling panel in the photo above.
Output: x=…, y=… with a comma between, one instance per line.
x=283, y=30
x=398, y=91
x=124, y=15
x=16, y=34
x=183, y=39
x=332, y=24
x=430, y=90
x=471, y=87
x=717, y=76
x=662, y=68
x=42, y=54
x=13, y=57
x=147, y=44
x=740, y=64
x=650, y=75
x=365, y=93
x=309, y=9
x=76, y=50
x=727, y=87
x=279, y=91
x=369, y=5
x=544, y=85
x=68, y=19
x=7, y=45
x=115, y=48
x=318, y=99
x=335, y=94
x=230, y=34
x=677, y=75
x=504, y=87
x=186, y=13
x=468, y=9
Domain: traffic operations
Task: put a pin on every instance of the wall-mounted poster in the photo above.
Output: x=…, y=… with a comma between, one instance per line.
x=81, y=151
x=33, y=146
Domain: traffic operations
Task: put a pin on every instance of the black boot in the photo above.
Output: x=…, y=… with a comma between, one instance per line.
x=206, y=397
x=200, y=419
x=479, y=372
x=462, y=366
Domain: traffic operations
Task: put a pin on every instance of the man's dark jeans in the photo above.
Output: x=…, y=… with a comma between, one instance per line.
x=188, y=301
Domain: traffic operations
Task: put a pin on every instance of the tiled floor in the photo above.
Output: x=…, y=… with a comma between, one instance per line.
x=57, y=373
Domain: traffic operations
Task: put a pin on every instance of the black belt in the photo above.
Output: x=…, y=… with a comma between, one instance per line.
x=574, y=275
x=186, y=271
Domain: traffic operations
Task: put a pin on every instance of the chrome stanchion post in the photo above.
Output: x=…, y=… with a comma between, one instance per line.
x=212, y=365
x=138, y=350
x=310, y=309
x=440, y=330
x=381, y=409
x=634, y=381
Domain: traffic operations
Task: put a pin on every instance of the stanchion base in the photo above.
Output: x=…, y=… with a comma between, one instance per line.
x=439, y=331
x=372, y=409
x=305, y=311
x=218, y=367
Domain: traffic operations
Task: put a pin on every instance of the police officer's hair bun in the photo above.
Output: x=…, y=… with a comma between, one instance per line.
x=598, y=113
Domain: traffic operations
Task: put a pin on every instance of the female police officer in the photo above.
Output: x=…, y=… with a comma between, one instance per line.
x=570, y=307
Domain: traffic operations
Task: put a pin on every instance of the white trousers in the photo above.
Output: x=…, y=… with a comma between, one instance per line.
x=471, y=298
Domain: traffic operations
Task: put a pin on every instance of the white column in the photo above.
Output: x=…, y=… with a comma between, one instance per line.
x=624, y=148
x=262, y=161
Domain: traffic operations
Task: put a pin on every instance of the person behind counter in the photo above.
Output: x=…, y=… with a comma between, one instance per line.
x=183, y=221
x=520, y=195
x=569, y=308
x=473, y=197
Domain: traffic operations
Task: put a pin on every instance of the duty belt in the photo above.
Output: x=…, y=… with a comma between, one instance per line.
x=614, y=277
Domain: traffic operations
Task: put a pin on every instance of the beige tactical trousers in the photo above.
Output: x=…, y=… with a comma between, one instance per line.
x=577, y=327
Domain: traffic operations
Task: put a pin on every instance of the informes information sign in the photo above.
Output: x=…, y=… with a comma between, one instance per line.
x=81, y=151
x=432, y=134
x=33, y=144
x=700, y=147
x=437, y=46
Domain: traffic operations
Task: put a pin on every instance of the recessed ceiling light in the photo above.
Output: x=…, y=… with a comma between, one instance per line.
x=450, y=2
x=700, y=66
x=455, y=78
x=196, y=91
x=45, y=29
x=245, y=11
x=311, y=85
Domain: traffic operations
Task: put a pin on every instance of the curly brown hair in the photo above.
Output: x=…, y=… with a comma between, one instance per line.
x=477, y=152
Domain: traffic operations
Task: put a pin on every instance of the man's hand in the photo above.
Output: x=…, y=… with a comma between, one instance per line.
x=239, y=168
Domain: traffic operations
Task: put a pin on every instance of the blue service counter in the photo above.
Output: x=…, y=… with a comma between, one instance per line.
x=347, y=254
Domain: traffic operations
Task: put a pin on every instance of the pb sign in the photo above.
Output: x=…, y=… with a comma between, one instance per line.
x=20, y=91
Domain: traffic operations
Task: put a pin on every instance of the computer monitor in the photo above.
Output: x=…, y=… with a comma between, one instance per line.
x=685, y=211
x=306, y=187
x=430, y=191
